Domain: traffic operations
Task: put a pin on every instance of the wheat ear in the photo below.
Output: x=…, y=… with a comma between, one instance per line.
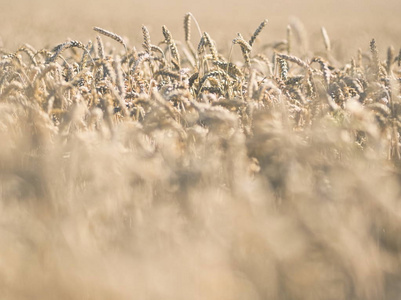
x=30, y=51
x=212, y=47
x=64, y=46
x=244, y=45
x=111, y=35
x=325, y=69
x=187, y=30
x=173, y=47
x=230, y=68
x=100, y=47
x=375, y=59
x=390, y=58
x=146, y=40
x=245, y=48
x=295, y=60
x=257, y=32
x=283, y=67
x=187, y=25
x=119, y=77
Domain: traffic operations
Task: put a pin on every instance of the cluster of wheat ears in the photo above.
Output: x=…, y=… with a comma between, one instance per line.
x=177, y=172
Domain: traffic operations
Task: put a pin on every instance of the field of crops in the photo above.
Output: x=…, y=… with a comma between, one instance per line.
x=213, y=157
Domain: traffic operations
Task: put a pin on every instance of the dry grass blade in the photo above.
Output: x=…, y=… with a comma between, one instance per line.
x=399, y=58
x=326, y=39
x=300, y=34
x=289, y=39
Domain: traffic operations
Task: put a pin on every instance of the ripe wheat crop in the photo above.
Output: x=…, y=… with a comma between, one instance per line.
x=161, y=171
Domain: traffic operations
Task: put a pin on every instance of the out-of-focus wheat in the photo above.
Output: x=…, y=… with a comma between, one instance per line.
x=144, y=174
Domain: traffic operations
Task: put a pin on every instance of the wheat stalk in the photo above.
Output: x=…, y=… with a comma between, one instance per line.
x=399, y=58
x=289, y=39
x=326, y=39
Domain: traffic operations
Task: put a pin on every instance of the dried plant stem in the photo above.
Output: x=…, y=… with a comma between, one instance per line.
x=326, y=39
x=289, y=39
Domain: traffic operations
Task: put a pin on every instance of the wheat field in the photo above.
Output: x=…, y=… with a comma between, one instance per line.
x=183, y=151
